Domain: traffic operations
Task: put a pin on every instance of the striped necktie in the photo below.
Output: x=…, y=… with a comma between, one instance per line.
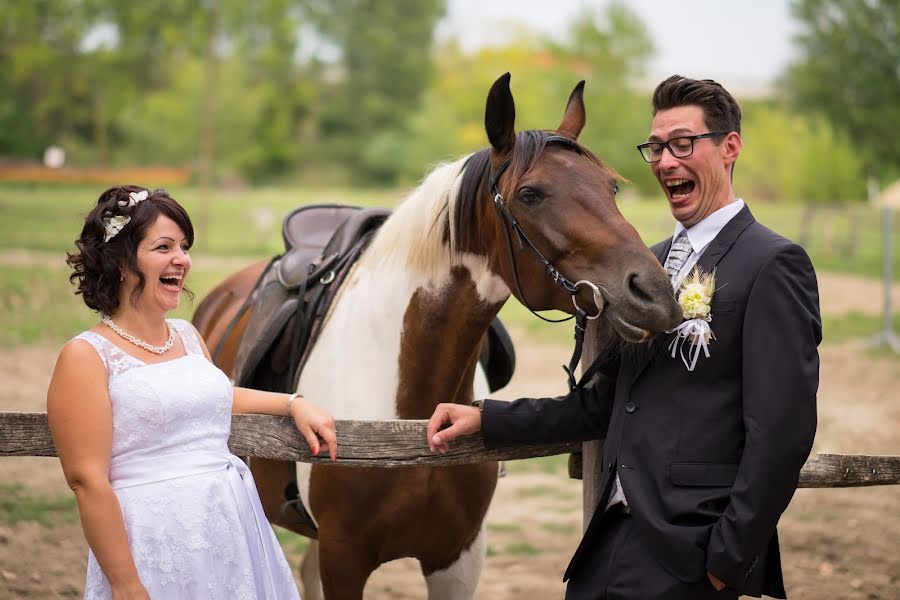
x=678, y=253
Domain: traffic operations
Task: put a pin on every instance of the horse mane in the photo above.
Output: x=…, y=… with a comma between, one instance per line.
x=414, y=234
x=441, y=219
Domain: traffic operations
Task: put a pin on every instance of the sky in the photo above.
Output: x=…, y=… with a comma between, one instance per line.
x=743, y=44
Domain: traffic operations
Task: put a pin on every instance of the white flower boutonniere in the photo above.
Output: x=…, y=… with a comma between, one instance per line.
x=694, y=297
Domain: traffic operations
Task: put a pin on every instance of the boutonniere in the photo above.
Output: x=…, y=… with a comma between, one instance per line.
x=695, y=298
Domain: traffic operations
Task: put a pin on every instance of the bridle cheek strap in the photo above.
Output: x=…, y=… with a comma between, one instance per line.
x=511, y=224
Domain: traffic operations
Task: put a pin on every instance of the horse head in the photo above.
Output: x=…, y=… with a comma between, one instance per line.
x=555, y=214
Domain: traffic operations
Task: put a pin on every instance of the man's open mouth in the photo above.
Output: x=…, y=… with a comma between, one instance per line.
x=679, y=188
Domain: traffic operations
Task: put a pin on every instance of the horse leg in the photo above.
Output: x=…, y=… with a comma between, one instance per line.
x=309, y=573
x=459, y=580
x=343, y=569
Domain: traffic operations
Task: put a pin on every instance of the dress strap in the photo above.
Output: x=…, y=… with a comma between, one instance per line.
x=188, y=336
x=114, y=358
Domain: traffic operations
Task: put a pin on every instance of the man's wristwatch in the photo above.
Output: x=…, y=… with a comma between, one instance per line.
x=479, y=404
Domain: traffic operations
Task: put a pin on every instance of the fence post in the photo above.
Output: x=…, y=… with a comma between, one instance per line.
x=592, y=451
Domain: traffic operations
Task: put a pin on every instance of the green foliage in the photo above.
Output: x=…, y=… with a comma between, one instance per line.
x=607, y=50
x=850, y=69
x=796, y=156
x=385, y=60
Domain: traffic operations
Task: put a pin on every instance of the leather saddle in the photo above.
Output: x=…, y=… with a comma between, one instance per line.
x=292, y=296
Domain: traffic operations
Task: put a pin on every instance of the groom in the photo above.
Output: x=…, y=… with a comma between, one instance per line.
x=701, y=458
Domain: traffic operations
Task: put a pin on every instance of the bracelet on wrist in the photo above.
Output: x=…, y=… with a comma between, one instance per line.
x=290, y=401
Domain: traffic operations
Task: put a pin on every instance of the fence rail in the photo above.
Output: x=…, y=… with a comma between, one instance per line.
x=402, y=443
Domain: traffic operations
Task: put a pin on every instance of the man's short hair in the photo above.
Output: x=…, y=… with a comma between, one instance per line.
x=720, y=109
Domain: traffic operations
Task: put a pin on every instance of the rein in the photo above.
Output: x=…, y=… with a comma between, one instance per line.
x=581, y=317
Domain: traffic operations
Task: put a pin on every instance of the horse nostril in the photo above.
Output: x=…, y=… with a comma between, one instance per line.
x=634, y=286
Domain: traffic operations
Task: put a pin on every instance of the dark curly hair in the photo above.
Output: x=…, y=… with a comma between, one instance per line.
x=97, y=265
x=720, y=110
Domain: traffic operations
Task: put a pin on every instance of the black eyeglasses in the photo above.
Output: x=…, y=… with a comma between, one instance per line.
x=679, y=147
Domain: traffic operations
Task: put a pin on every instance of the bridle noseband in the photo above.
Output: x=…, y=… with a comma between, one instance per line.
x=581, y=316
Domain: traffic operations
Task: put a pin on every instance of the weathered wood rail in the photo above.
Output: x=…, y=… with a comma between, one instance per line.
x=402, y=443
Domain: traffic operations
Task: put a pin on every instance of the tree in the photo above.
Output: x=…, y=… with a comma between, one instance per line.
x=43, y=82
x=850, y=68
x=381, y=74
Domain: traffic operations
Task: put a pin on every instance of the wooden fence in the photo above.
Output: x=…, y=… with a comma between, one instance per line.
x=402, y=443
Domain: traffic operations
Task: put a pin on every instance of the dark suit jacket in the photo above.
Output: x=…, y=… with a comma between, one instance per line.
x=708, y=459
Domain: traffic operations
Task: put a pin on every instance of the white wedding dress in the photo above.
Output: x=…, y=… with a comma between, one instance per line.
x=192, y=514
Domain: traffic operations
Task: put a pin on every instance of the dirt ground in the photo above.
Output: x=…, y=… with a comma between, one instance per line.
x=836, y=543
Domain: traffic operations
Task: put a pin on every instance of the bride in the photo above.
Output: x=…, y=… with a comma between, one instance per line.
x=141, y=417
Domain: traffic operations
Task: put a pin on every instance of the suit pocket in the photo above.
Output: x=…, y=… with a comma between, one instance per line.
x=703, y=474
x=722, y=306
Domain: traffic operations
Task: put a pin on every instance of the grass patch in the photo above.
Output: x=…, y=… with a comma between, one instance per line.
x=290, y=541
x=49, y=217
x=521, y=549
x=854, y=325
x=550, y=465
x=559, y=528
x=39, y=304
x=248, y=222
x=17, y=505
x=537, y=491
x=504, y=527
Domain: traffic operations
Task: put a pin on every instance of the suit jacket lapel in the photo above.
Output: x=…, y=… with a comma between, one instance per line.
x=715, y=251
x=723, y=242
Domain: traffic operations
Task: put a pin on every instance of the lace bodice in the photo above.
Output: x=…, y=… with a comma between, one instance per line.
x=177, y=405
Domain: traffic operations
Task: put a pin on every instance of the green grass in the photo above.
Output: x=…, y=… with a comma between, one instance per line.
x=551, y=465
x=504, y=527
x=290, y=541
x=559, y=528
x=521, y=549
x=18, y=505
x=39, y=305
x=854, y=325
x=48, y=218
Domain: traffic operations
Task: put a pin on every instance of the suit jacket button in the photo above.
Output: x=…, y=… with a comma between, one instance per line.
x=629, y=407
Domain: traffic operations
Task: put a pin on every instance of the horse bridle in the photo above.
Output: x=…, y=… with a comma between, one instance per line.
x=510, y=223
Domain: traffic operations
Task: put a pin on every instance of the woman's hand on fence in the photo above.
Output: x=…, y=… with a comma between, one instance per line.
x=316, y=425
x=463, y=420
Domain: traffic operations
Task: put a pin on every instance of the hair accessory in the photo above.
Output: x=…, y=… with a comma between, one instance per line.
x=114, y=224
x=135, y=197
x=107, y=320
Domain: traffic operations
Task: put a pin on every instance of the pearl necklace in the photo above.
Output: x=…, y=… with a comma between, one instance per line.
x=107, y=320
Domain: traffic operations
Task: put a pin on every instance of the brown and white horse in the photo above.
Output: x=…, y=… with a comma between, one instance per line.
x=405, y=330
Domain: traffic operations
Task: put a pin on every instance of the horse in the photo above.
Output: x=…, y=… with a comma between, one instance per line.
x=534, y=216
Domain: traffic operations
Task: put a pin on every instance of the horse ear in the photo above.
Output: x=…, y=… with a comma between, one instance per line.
x=573, y=120
x=500, y=116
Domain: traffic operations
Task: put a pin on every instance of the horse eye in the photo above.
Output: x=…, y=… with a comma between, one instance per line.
x=529, y=196
x=615, y=189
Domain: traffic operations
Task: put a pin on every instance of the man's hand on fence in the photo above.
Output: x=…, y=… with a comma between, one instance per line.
x=463, y=420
